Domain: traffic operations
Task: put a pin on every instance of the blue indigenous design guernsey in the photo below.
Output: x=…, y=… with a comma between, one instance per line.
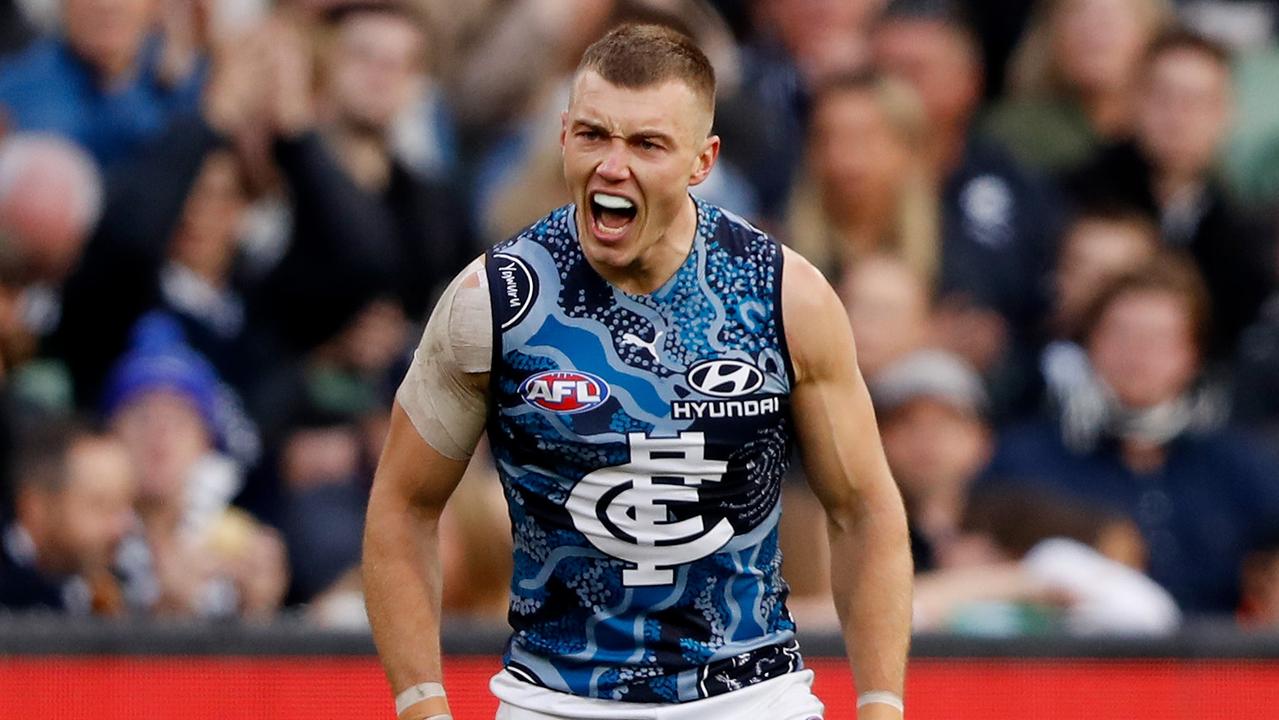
x=641, y=441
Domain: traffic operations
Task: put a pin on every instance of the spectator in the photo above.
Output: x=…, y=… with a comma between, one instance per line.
x=196, y=555
x=1183, y=110
x=332, y=440
x=1099, y=245
x=50, y=200
x=109, y=84
x=889, y=309
x=363, y=225
x=1256, y=382
x=931, y=408
x=800, y=45
x=1033, y=562
x=143, y=210
x=74, y=507
x=1072, y=77
x=869, y=188
x=1199, y=496
x=999, y=223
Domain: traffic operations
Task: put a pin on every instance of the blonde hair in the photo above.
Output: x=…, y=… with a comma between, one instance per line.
x=1033, y=70
x=915, y=234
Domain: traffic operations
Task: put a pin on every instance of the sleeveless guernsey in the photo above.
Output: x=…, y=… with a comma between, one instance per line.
x=641, y=441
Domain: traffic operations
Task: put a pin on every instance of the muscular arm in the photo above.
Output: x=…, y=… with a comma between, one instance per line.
x=870, y=550
x=436, y=421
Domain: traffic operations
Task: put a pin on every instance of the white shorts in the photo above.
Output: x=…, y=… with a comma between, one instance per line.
x=789, y=697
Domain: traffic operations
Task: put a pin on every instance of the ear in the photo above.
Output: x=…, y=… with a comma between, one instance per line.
x=563, y=129
x=705, y=160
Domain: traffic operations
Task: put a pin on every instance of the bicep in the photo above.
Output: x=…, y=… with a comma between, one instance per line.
x=411, y=472
x=834, y=419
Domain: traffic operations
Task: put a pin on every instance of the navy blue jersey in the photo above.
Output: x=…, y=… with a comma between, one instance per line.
x=641, y=441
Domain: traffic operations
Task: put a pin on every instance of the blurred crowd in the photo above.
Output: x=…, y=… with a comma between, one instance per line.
x=1053, y=224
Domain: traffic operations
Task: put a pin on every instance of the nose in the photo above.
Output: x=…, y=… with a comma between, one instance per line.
x=616, y=163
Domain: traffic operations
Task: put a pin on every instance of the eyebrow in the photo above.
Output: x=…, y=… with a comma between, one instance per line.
x=645, y=134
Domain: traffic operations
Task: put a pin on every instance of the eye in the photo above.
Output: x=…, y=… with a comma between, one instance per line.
x=589, y=134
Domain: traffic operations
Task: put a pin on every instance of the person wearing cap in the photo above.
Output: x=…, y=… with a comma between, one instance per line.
x=997, y=554
x=931, y=407
x=196, y=555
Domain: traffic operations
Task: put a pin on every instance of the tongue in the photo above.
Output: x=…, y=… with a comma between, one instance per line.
x=613, y=219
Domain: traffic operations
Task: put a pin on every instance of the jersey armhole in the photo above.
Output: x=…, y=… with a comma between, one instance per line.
x=782, y=343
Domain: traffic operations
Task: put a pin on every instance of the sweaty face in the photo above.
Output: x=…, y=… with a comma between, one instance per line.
x=630, y=156
x=1144, y=349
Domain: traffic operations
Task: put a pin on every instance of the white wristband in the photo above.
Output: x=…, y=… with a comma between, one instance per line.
x=416, y=694
x=881, y=697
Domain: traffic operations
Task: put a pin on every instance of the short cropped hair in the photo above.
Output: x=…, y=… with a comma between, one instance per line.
x=43, y=450
x=641, y=55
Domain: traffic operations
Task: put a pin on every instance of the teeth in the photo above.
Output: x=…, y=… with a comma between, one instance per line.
x=612, y=202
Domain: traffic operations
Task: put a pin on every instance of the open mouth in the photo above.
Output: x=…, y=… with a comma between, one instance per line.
x=611, y=214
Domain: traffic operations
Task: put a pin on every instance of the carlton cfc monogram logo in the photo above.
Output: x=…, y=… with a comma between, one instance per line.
x=564, y=391
x=625, y=510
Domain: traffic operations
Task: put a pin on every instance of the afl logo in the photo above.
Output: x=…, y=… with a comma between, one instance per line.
x=518, y=290
x=564, y=391
x=725, y=378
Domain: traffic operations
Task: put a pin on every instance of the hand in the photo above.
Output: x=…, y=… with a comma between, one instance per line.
x=262, y=575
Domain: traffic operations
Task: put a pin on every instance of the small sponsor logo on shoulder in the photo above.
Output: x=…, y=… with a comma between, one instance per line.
x=564, y=391
x=725, y=378
x=518, y=289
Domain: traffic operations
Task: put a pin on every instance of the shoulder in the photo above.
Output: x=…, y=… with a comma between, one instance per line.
x=813, y=316
x=557, y=225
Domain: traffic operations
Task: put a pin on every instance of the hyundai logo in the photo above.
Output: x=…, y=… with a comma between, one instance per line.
x=725, y=378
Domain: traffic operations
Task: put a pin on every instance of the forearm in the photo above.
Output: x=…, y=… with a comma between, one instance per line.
x=402, y=583
x=871, y=581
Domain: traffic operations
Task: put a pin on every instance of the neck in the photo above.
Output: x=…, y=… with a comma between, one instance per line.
x=363, y=153
x=1108, y=111
x=1142, y=457
x=660, y=262
x=864, y=233
x=1172, y=186
x=938, y=512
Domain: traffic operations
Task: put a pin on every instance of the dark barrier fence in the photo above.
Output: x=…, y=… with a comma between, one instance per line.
x=287, y=671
